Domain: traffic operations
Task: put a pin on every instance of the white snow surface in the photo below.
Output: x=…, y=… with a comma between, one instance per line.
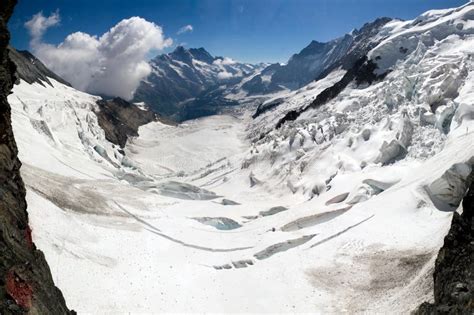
x=359, y=230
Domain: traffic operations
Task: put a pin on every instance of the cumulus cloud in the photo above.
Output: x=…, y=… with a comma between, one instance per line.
x=39, y=23
x=185, y=29
x=111, y=64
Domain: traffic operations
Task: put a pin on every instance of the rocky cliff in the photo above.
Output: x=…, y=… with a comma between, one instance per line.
x=121, y=119
x=31, y=69
x=454, y=268
x=26, y=285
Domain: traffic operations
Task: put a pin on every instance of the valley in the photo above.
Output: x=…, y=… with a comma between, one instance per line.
x=340, y=209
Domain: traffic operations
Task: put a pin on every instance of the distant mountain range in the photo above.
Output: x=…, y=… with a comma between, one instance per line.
x=183, y=75
x=190, y=83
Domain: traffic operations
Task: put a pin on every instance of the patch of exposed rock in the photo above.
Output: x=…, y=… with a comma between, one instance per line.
x=31, y=69
x=120, y=119
x=362, y=72
x=454, y=267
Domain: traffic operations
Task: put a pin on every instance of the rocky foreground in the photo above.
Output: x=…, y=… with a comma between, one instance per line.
x=26, y=285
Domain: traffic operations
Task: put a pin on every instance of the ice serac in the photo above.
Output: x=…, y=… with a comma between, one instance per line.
x=26, y=284
x=454, y=268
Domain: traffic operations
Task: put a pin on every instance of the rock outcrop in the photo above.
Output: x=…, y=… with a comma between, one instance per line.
x=454, y=268
x=121, y=119
x=26, y=284
x=31, y=69
x=363, y=72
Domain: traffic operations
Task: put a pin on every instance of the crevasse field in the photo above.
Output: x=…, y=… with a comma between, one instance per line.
x=342, y=210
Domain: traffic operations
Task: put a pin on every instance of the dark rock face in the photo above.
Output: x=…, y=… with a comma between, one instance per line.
x=308, y=64
x=120, y=119
x=364, y=40
x=318, y=59
x=454, y=268
x=31, y=70
x=362, y=72
x=26, y=284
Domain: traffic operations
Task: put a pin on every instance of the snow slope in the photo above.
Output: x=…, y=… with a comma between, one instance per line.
x=341, y=210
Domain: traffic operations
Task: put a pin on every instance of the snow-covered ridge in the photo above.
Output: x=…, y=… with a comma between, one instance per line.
x=318, y=59
x=406, y=37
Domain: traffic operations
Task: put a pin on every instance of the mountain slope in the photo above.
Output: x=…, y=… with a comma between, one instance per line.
x=30, y=69
x=184, y=74
x=318, y=59
x=453, y=277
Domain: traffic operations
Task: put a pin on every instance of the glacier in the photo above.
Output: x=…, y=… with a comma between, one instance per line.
x=342, y=209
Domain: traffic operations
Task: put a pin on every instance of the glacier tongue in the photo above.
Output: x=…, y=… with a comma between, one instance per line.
x=336, y=211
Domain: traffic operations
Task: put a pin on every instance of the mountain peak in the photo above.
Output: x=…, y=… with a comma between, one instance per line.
x=181, y=54
x=179, y=48
x=201, y=54
x=186, y=55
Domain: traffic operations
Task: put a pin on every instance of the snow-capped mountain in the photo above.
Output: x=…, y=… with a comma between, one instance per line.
x=179, y=77
x=333, y=197
x=318, y=59
x=191, y=83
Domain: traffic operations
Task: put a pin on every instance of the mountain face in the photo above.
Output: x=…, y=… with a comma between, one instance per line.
x=319, y=59
x=191, y=83
x=26, y=284
x=184, y=74
x=31, y=69
x=120, y=119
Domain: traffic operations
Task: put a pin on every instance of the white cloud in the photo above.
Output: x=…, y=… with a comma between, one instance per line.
x=224, y=61
x=39, y=23
x=224, y=75
x=111, y=64
x=185, y=29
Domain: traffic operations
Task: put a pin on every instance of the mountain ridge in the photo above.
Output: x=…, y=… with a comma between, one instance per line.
x=184, y=74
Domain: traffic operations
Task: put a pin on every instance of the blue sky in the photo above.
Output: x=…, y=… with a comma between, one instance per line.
x=246, y=30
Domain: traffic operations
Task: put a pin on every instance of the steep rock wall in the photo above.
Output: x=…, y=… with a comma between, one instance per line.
x=26, y=285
